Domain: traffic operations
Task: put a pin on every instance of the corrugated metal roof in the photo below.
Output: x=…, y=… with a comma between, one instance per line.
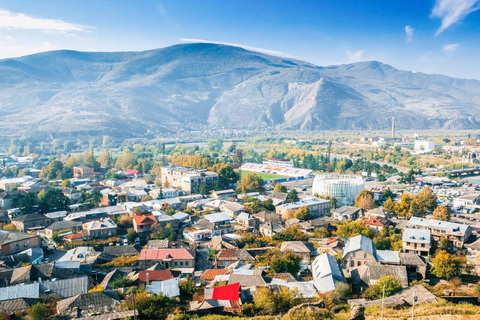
x=359, y=242
x=68, y=287
x=21, y=291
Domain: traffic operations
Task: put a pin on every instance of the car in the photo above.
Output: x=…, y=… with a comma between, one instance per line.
x=137, y=241
x=125, y=242
x=47, y=260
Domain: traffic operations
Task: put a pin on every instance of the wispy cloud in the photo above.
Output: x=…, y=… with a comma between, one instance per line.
x=409, y=32
x=266, y=51
x=355, y=56
x=450, y=47
x=451, y=11
x=11, y=20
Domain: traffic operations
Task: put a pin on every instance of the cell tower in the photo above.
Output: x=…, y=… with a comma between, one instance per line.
x=393, y=127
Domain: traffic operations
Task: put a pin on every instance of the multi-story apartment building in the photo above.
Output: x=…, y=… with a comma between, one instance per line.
x=188, y=179
x=317, y=207
x=456, y=232
x=416, y=241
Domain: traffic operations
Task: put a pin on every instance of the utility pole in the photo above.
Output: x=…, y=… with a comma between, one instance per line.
x=383, y=298
x=134, y=310
x=413, y=304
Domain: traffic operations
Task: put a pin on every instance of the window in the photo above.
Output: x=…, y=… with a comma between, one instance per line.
x=359, y=263
x=364, y=256
x=352, y=263
x=25, y=245
x=17, y=246
x=176, y=263
x=181, y=263
x=186, y=263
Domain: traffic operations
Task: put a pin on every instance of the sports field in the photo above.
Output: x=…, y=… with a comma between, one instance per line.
x=264, y=176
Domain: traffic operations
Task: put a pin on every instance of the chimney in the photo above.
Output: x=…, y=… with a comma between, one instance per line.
x=148, y=278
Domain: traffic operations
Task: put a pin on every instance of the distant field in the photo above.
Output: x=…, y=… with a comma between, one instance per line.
x=264, y=176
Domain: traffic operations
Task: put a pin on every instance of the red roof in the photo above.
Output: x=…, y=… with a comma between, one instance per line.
x=210, y=274
x=132, y=171
x=144, y=219
x=74, y=236
x=229, y=292
x=155, y=275
x=163, y=254
x=374, y=222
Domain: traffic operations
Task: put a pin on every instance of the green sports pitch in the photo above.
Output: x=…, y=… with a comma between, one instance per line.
x=264, y=176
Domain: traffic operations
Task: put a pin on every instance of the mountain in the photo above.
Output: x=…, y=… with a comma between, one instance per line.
x=195, y=86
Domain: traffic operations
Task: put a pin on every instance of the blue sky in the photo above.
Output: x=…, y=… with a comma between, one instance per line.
x=433, y=36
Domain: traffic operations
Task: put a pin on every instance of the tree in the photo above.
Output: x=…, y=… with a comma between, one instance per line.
x=290, y=234
x=402, y=208
x=279, y=188
x=391, y=284
x=53, y=170
x=38, y=311
x=417, y=208
x=151, y=307
x=427, y=198
x=120, y=282
x=280, y=262
x=302, y=213
x=350, y=229
x=125, y=221
x=131, y=236
x=442, y=213
x=333, y=200
x=66, y=183
x=388, y=194
x=25, y=201
x=292, y=196
x=163, y=232
x=389, y=205
x=343, y=290
x=365, y=200
x=226, y=175
x=97, y=288
x=187, y=287
x=321, y=233
x=268, y=301
x=250, y=183
x=52, y=200
x=446, y=265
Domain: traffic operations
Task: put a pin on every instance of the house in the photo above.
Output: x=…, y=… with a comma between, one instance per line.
x=106, y=283
x=233, y=209
x=317, y=207
x=255, y=279
x=266, y=216
x=112, y=252
x=416, y=241
x=247, y=220
x=66, y=288
x=347, y=213
x=367, y=275
x=268, y=229
x=82, y=172
x=219, y=300
x=224, y=194
x=226, y=257
x=168, y=258
x=467, y=200
x=87, y=304
x=62, y=226
x=13, y=242
x=74, y=237
x=161, y=281
x=456, y=232
x=332, y=245
x=182, y=217
x=142, y=224
x=278, y=198
x=326, y=273
x=358, y=251
x=5, y=200
x=32, y=221
x=376, y=224
x=72, y=194
x=164, y=219
x=158, y=244
x=57, y=215
x=82, y=255
x=20, y=305
x=188, y=179
x=100, y=229
x=218, y=218
x=299, y=248
x=163, y=193
x=210, y=274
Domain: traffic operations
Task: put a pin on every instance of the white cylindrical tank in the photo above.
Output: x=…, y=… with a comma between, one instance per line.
x=343, y=187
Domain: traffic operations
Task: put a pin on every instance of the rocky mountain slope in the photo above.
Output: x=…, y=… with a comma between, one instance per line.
x=194, y=86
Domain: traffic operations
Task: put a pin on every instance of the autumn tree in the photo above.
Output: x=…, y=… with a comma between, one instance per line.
x=402, y=208
x=279, y=188
x=446, y=265
x=389, y=282
x=442, y=213
x=250, y=183
x=290, y=234
x=365, y=200
x=427, y=198
x=302, y=213
x=38, y=311
x=389, y=205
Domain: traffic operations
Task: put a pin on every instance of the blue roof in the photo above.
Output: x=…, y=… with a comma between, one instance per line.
x=359, y=242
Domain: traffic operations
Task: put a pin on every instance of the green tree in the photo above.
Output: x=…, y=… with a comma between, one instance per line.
x=343, y=290
x=120, y=282
x=53, y=170
x=52, y=200
x=302, y=213
x=446, y=265
x=390, y=283
x=187, y=287
x=131, y=236
x=292, y=196
x=388, y=194
x=349, y=229
x=290, y=234
x=38, y=311
x=226, y=175
x=251, y=183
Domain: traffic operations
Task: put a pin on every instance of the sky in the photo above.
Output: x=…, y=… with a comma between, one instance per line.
x=432, y=36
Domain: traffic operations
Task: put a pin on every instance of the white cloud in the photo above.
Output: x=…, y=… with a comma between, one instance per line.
x=451, y=11
x=266, y=51
x=450, y=47
x=409, y=32
x=10, y=20
x=355, y=56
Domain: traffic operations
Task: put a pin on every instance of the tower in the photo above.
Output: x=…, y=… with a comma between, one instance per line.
x=393, y=127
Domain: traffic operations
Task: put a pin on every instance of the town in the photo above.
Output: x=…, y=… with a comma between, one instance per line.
x=187, y=231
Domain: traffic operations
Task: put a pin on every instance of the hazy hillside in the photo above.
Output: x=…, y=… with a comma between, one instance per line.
x=192, y=86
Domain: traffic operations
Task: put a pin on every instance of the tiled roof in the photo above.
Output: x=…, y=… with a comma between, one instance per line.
x=12, y=236
x=144, y=219
x=16, y=305
x=162, y=254
x=212, y=273
x=246, y=280
x=157, y=275
x=374, y=222
x=74, y=236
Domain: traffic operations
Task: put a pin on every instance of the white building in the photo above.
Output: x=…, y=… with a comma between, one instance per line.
x=423, y=146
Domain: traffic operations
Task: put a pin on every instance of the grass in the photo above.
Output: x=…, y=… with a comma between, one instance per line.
x=264, y=176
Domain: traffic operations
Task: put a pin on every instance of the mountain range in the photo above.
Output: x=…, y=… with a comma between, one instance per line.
x=197, y=86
